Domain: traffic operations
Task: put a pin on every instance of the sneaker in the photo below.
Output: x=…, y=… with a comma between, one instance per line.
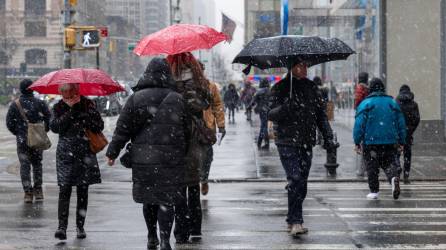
x=28, y=197
x=396, y=187
x=297, y=229
x=372, y=196
x=204, y=188
x=38, y=194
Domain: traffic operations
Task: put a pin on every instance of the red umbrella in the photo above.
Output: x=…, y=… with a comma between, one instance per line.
x=179, y=38
x=92, y=82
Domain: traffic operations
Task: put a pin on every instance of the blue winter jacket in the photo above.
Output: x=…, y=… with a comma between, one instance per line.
x=379, y=121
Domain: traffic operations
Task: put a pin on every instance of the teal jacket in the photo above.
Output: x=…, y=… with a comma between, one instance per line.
x=379, y=121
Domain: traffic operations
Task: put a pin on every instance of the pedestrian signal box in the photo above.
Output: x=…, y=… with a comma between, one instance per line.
x=90, y=38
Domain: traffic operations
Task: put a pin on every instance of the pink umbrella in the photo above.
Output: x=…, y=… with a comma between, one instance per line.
x=179, y=38
x=92, y=82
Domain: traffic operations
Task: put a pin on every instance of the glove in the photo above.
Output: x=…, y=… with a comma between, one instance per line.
x=330, y=144
x=222, y=131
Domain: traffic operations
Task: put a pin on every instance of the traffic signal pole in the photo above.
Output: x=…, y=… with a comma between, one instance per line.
x=66, y=23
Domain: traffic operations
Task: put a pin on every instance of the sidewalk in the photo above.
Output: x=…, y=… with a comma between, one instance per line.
x=424, y=166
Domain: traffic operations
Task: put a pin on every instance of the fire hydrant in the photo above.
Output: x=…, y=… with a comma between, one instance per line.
x=332, y=154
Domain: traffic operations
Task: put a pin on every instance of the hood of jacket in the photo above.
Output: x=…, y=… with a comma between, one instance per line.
x=405, y=96
x=24, y=84
x=156, y=75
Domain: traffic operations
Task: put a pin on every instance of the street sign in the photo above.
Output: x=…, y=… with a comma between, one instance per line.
x=131, y=46
x=104, y=31
x=90, y=38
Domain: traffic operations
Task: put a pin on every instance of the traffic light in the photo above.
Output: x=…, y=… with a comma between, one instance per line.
x=70, y=37
x=90, y=38
x=131, y=46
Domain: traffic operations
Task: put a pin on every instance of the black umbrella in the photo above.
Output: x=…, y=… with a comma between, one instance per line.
x=286, y=51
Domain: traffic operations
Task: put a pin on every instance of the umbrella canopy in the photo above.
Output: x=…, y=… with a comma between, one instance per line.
x=286, y=51
x=179, y=38
x=92, y=82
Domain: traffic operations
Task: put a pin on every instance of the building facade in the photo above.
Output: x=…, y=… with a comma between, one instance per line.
x=31, y=37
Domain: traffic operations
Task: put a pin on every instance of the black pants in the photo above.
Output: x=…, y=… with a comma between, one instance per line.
x=376, y=157
x=407, y=157
x=188, y=215
x=64, y=205
x=231, y=112
x=164, y=215
x=30, y=157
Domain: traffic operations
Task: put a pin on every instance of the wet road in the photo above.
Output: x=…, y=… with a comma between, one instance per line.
x=246, y=211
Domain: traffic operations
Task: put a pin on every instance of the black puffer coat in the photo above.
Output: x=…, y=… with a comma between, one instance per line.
x=410, y=110
x=35, y=110
x=154, y=119
x=296, y=120
x=76, y=164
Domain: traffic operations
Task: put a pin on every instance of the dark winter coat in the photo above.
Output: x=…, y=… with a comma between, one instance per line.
x=410, y=111
x=155, y=120
x=261, y=101
x=296, y=120
x=248, y=94
x=197, y=101
x=231, y=98
x=35, y=110
x=75, y=163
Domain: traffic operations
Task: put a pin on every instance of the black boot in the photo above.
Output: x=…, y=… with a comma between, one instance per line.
x=406, y=178
x=153, y=241
x=61, y=233
x=266, y=146
x=259, y=143
x=81, y=234
x=165, y=244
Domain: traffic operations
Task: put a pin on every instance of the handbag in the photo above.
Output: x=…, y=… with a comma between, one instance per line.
x=126, y=159
x=36, y=137
x=205, y=135
x=97, y=141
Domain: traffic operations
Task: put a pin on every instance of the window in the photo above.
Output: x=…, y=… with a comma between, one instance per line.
x=35, y=7
x=2, y=6
x=3, y=57
x=35, y=28
x=35, y=56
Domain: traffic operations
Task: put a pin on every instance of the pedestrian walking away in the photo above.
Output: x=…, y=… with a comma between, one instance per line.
x=158, y=135
x=195, y=88
x=34, y=111
x=215, y=118
x=411, y=114
x=297, y=110
x=361, y=92
x=260, y=103
x=381, y=130
x=246, y=97
x=76, y=164
x=231, y=100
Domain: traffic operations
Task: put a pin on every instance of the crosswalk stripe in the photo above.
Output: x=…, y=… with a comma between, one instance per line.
x=406, y=209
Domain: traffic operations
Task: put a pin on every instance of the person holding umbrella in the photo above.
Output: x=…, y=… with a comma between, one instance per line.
x=76, y=164
x=297, y=110
x=194, y=87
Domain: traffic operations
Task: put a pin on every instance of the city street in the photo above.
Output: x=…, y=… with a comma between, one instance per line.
x=245, y=208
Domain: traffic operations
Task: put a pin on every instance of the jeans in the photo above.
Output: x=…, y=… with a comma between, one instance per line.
x=162, y=214
x=64, y=205
x=376, y=157
x=188, y=215
x=263, y=134
x=297, y=163
x=205, y=169
x=30, y=157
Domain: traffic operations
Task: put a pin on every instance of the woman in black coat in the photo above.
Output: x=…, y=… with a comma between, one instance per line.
x=154, y=120
x=76, y=164
x=231, y=100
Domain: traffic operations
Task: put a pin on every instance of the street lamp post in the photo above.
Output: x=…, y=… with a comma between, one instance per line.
x=66, y=23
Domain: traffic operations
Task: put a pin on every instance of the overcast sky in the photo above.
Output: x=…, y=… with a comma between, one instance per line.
x=235, y=10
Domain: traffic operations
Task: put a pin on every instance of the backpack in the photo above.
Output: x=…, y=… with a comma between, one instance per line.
x=37, y=137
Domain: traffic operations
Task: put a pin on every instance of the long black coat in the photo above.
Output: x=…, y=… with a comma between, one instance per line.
x=411, y=113
x=155, y=120
x=35, y=110
x=296, y=120
x=76, y=164
x=231, y=98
